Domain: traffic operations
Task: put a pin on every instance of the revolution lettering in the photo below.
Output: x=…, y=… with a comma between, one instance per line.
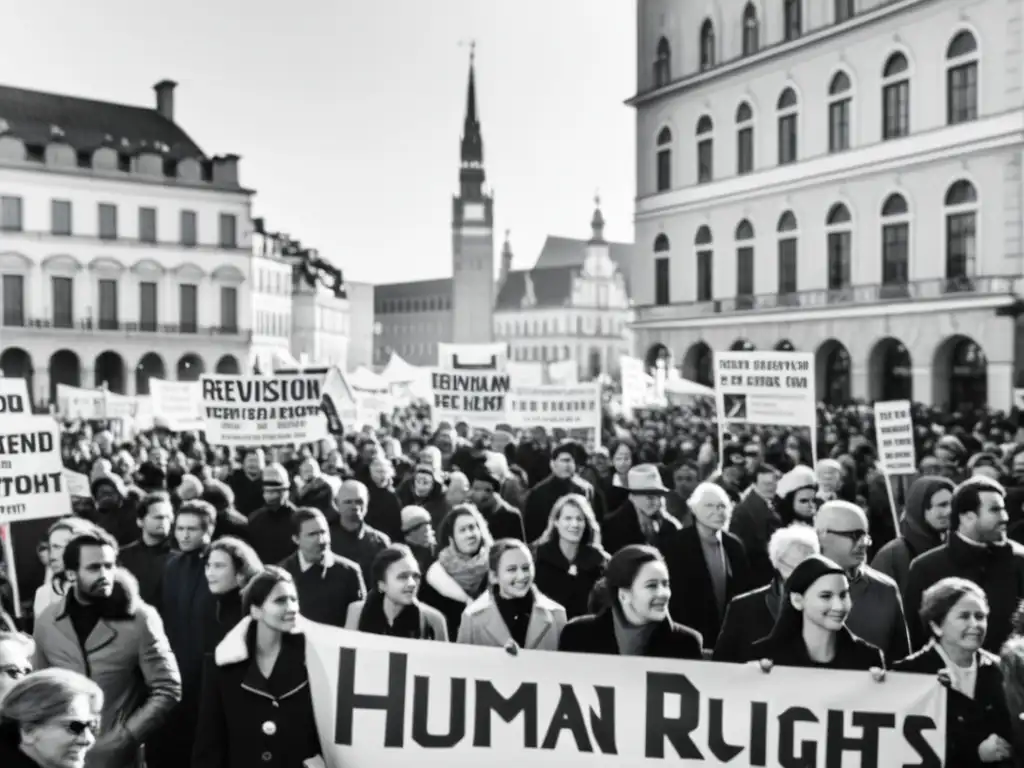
x=465, y=382
x=31, y=485
x=282, y=390
x=26, y=443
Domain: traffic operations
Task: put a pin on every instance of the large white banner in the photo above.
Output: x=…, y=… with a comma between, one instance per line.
x=14, y=397
x=574, y=411
x=384, y=702
x=32, y=481
x=477, y=398
x=263, y=410
x=473, y=357
x=177, y=405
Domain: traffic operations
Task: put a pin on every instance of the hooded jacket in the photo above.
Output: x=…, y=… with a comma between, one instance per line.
x=916, y=536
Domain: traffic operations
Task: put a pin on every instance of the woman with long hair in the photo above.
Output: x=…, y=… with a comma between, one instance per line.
x=512, y=613
x=568, y=556
x=954, y=613
x=257, y=708
x=230, y=565
x=49, y=719
x=459, y=574
x=54, y=587
x=392, y=606
x=810, y=630
x=630, y=616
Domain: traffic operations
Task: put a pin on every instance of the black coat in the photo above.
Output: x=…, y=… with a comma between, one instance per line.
x=748, y=618
x=851, y=653
x=504, y=521
x=270, y=532
x=753, y=523
x=596, y=634
x=968, y=721
x=238, y=701
x=384, y=511
x=555, y=578
x=146, y=563
x=622, y=528
x=693, y=599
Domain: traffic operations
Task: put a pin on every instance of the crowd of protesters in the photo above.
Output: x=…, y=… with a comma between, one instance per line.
x=178, y=589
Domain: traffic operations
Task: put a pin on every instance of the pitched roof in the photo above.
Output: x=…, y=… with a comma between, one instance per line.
x=568, y=251
x=551, y=287
x=88, y=124
x=415, y=289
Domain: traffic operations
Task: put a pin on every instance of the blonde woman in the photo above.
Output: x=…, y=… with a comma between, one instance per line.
x=568, y=556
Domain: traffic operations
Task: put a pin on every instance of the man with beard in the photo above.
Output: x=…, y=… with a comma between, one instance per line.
x=327, y=583
x=877, y=614
x=565, y=458
x=103, y=631
x=146, y=556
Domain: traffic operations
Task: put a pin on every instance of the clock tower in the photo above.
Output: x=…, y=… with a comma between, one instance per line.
x=472, y=234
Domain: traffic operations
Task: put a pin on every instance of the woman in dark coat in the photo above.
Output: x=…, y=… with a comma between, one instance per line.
x=568, y=556
x=257, y=708
x=230, y=565
x=811, y=628
x=633, y=616
x=979, y=732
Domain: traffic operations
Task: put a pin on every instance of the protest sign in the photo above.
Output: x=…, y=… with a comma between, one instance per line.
x=177, y=405
x=474, y=397
x=14, y=397
x=78, y=403
x=32, y=482
x=472, y=357
x=637, y=385
x=386, y=702
x=263, y=410
x=894, y=435
x=563, y=411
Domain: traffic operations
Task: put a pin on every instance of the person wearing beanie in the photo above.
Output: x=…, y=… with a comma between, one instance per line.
x=566, y=458
x=418, y=533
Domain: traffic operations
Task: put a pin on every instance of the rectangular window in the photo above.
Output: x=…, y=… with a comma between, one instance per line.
x=844, y=10
x=108, y=305
x=839, y=260
x=961, y=234
x=229, y=310
x=188, y=308
x=661, y=276
x=793, y=19
x=14, y=301
x=149, y=307
x=228, y=231
x=896, y=110
x=664, y=170
x=787, y=139
x=839, y=125
x=60, y=217
x=745, y=150
x=63, y=290
x=108, y=221
x=895, y=254
x=188, y=229
x=745, y=277
x=962, y=93
x=705, y=161
x=10, y=214
x=704, y=276
x=147, y=225
x=787, y=266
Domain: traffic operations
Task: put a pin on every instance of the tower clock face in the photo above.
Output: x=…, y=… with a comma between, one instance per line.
x=473, y=212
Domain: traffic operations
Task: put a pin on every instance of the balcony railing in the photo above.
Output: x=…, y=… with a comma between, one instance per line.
x=852, y=296
x=108, y=326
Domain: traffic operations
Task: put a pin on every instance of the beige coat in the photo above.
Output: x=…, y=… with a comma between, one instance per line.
x=482, y=623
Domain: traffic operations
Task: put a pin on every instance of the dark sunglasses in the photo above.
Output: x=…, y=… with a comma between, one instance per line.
x=78, y=727
x=15, y=672
x=855, y=536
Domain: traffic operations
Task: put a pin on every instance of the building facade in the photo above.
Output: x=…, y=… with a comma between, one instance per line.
x=124, y=248
x=362, y=324
x=842, y=178
x=572, y=305
x=321, y=327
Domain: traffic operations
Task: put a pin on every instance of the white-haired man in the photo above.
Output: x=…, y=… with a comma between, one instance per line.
x=877, y=615
x=752, y=615
x=707, y=564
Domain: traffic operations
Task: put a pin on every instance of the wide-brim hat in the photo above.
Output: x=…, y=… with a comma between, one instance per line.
x=645, y=479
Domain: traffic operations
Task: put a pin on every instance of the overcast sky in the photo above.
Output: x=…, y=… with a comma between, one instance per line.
x=347, y=113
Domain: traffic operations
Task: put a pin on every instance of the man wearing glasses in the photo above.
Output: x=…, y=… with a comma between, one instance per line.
x=877, y=614
x=16, y=651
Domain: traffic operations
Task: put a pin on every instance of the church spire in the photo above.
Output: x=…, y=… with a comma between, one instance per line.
x=471, y=166
x=597, y=222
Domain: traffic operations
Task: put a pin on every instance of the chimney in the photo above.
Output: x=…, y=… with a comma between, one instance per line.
x=165, y=98
x=225, y=170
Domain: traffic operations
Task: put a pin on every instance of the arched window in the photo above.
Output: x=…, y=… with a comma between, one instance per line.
x=751, y=30
x=896, y=97
x=839, y=243
x=786, y=109
x=664, y=160
x=705, y=150
x=844, y=10
x=662, y=270
x=744, y=265
x=744, y=139
x=962, y=79
x=661, y=244
x=895, y=247
x=704, y=248
x=961, y=234
x=792, y=18
x=840, y=99
x=788, y=232
x=707, y=45
x=663, y=63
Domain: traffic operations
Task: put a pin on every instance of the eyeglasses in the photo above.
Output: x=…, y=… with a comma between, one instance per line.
x=15, y=672
x=855, y=536
x=78, y=727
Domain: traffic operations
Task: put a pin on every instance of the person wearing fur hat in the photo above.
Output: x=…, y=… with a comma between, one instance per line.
x=566, y=457
x=797, y=495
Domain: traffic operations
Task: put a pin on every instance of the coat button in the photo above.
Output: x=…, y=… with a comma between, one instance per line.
x=269, y=728
x=266, y=757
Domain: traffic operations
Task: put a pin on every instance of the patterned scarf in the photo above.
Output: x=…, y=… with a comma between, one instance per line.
x=469, y=571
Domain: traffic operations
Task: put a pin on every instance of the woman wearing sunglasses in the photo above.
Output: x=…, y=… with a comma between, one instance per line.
x=49, y=720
